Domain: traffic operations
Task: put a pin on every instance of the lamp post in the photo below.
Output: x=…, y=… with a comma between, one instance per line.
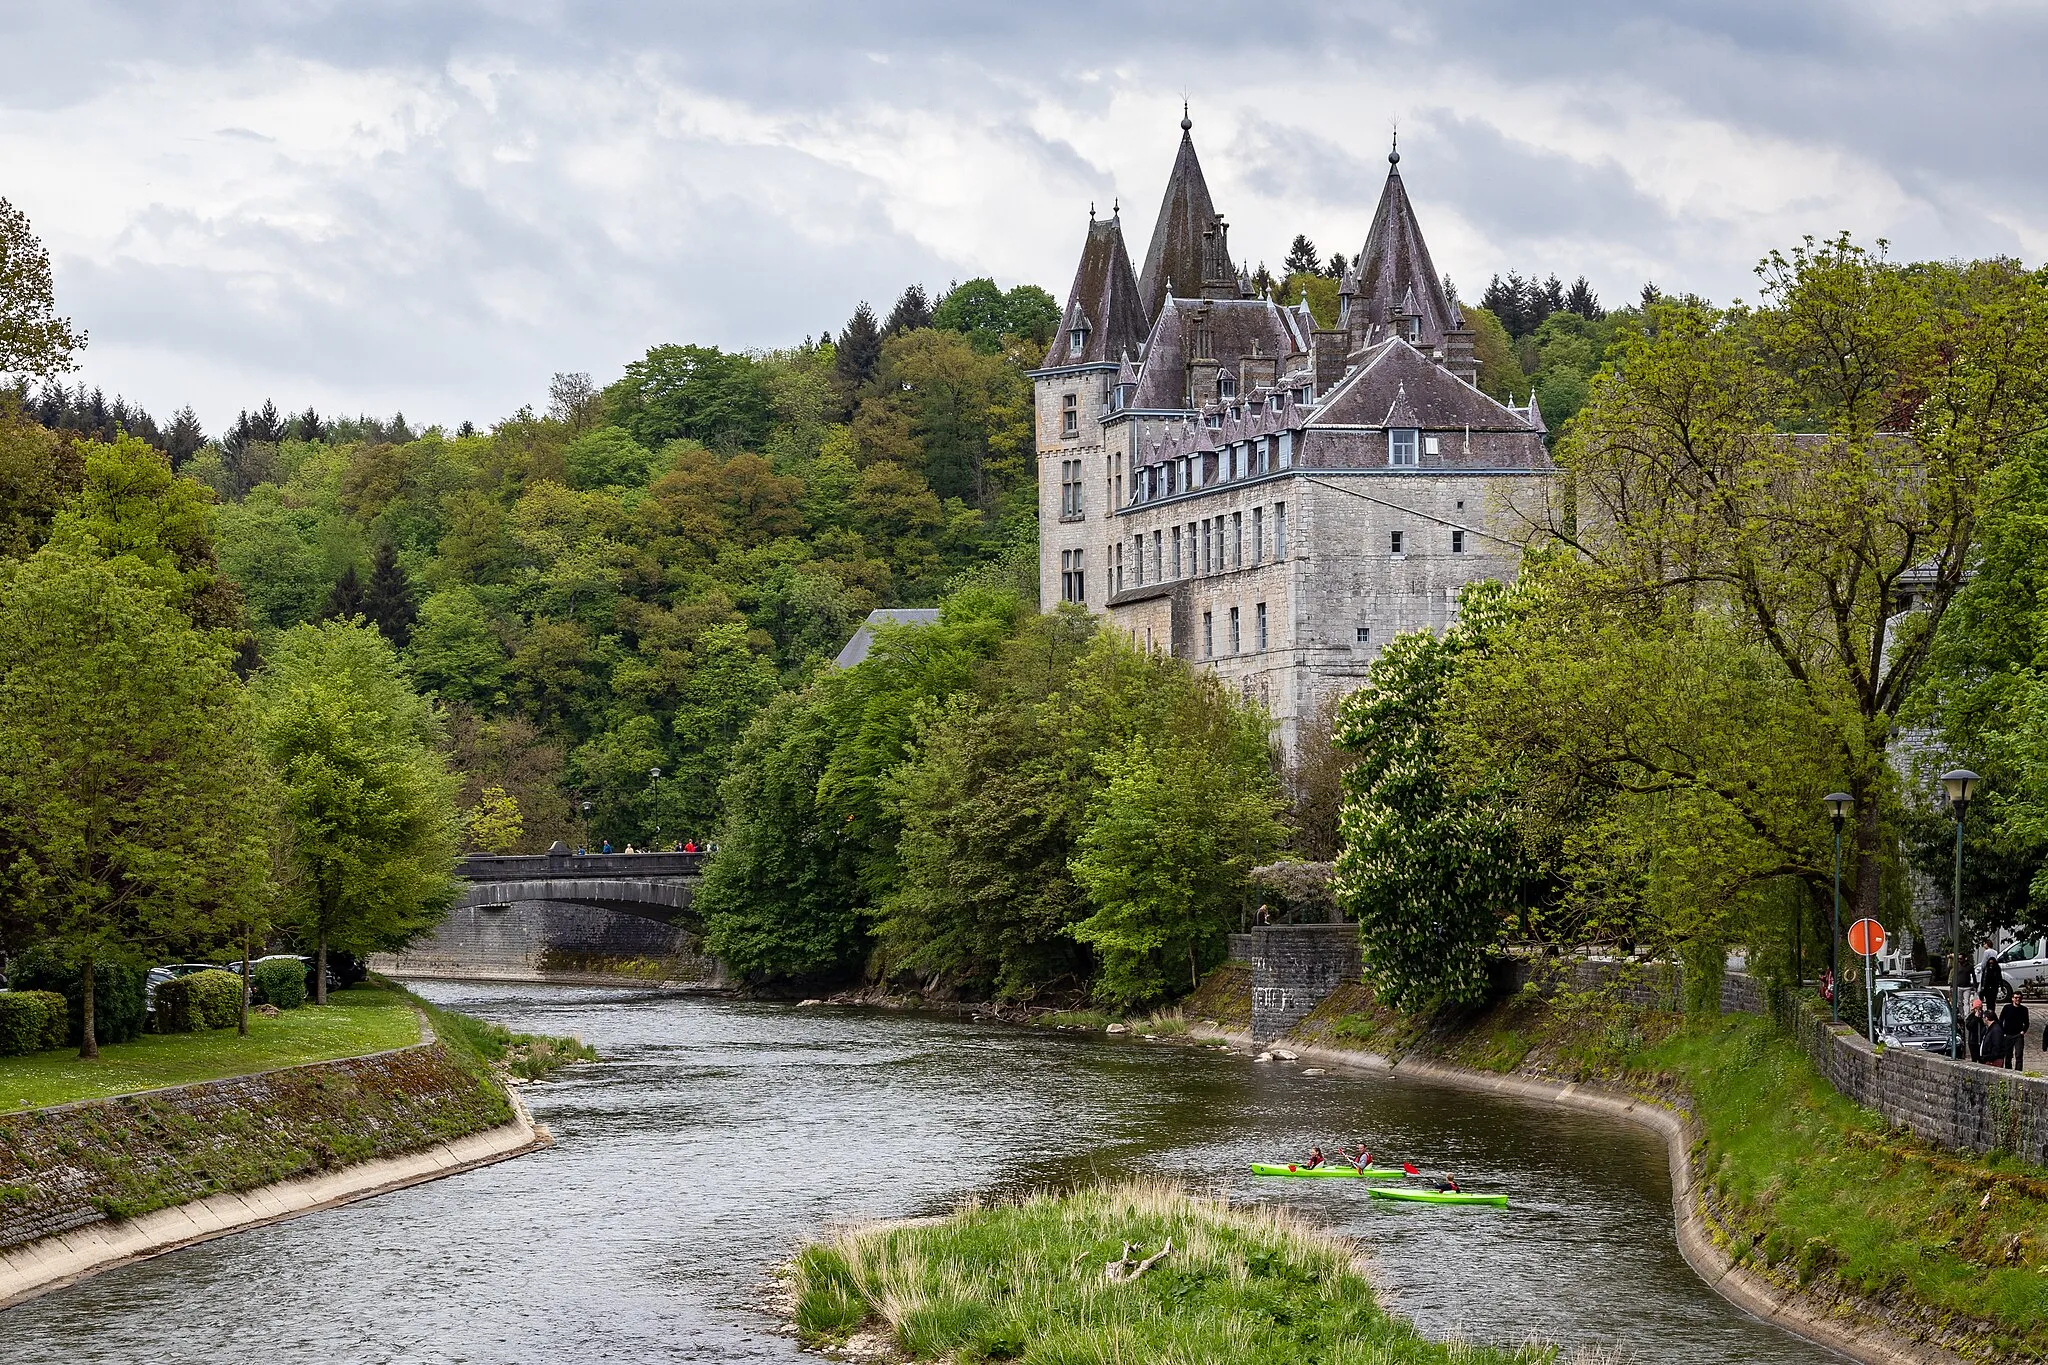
x=1959, y=786
x=1839, y=805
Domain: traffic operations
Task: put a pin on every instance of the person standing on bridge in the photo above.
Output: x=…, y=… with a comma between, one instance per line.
x=606, y=847
x=689, y=845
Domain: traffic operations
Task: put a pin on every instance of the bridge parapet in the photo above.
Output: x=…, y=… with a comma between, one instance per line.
x=520, y=867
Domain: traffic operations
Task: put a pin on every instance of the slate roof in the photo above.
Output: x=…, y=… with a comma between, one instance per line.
x=1393, y=271
x=1185, y=213
x=1235, y=327
x=857, y=648
x=1104, y=297
x=1394, y=380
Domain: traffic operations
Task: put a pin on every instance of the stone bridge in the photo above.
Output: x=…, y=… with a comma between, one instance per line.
x=562, y=916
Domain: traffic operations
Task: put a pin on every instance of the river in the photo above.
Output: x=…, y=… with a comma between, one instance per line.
x=718, y=1135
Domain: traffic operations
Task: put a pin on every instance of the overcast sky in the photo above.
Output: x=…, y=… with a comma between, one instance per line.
x=433, y=207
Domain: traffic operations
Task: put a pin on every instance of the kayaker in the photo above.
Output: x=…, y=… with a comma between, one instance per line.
x=1447, y=1184
x=1315, y=1159
x=1363, y=1159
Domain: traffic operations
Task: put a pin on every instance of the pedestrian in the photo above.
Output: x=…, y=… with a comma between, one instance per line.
x=606, y=847
x=689, y=845
x=1992, y=1049
x=2015, y=1020
x=1991, y=979
x=1974, y=1027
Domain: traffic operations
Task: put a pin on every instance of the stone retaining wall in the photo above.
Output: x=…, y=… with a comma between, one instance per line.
x=78, y=1165
x=537, y=940
x=1293, y=967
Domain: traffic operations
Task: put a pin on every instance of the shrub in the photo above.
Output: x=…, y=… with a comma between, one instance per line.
x=216, y=998
x=174, y=1007
x=31, y=1021
x=281, y=983
x=118, y=1010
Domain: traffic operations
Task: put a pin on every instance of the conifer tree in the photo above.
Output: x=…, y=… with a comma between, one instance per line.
x=912, y=311
x=347, y=600
x=307, y=426
x=388, y=602
x=1302, y=258
x=1582, y=300
x=860, y=349
x=186, y=437
x=1337, y=265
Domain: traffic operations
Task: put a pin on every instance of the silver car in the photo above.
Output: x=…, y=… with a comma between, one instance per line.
x=1917, y=1019
x=2024, y=962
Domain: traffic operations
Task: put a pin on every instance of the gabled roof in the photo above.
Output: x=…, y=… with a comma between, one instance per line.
x=1104, y=299
x=856, y=649
x=1396, y=385
x=1185, y=213
x=1394, y=272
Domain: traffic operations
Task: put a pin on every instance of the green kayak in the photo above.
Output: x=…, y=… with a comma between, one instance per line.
x=1339, y=1170
x=1437, y=1196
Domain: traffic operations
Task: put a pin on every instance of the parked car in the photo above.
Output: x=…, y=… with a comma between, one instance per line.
x=158, y=975
x=2024, y=962
x=1917, y=1019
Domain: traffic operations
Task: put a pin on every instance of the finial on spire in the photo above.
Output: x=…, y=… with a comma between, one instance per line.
x=1116, y=208
x=1091, y=210
x=1185, y=122
x=1394, y=156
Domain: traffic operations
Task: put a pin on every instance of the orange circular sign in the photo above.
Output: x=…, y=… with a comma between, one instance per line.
x=1866, y=937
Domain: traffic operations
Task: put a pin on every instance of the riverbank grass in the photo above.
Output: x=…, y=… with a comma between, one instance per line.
x=1025, y=1280
x=355, y=1022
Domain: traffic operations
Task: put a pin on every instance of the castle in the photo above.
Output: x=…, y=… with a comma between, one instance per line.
x=1228, y=480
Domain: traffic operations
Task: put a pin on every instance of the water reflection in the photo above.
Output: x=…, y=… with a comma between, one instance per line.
x=720, y=1135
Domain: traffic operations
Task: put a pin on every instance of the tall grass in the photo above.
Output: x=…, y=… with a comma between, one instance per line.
x=1023, y=1280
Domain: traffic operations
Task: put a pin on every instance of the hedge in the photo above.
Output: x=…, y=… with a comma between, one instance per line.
x=118, y=1010
x=217, y=998
x=31, y=1021
x=281, y=983
x=174, y=1008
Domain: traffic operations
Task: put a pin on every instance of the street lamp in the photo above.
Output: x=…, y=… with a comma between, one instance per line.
x=1839, y=805
x=1959, y=786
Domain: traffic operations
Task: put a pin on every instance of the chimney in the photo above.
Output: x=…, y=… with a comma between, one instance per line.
x=1329, y=348
x=1459, y=357
x=1256, y=372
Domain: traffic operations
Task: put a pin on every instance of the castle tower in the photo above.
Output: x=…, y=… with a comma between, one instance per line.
x=1190, y=251
x=1393, y=289
x=1078, y=484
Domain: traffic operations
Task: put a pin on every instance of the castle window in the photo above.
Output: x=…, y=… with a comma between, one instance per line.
x=1279, y=530
x=1119, y=569
x=1070, y=490
x=1237, y=540
x=1258, y=535
x=1365, y=635
x=1208, y=634
x=1394, y=544
x=1259, y=625
x=1430, y=446
x=1286, y=440
x=1401, y=445
x=1457, y=542
x=1070, y=415
x=1138, y=555
x=1073, y=582
x=1412, y=329
x=1176, y=552
x=1235, y=645
x=1076, y=339
x=1227, y=387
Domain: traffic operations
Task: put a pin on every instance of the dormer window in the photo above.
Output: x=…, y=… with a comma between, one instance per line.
x=1411, y=328
x=1076, y=339
x=1227, y=387
x=1402, y=445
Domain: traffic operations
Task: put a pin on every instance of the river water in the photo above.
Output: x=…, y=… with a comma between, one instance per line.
x=719, y=1135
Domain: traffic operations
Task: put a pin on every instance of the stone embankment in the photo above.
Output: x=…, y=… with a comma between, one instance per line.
x=91, y=1185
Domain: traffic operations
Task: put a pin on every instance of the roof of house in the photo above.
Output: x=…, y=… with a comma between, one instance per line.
x=1393, y=273
x=1236, y=328
x=857, y=648
x=1104, y=301
x=1176, y=257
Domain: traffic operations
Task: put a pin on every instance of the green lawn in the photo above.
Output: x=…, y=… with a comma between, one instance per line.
x=1023, y=1281
x=356, y=1021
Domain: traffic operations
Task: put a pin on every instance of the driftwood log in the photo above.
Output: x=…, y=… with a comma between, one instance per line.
x=1124, y=1269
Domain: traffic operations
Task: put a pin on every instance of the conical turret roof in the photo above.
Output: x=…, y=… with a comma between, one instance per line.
x=1103, y=302
x=1176, y=257
x=1395, y=274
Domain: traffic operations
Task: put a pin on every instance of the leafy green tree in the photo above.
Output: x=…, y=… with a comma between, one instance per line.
x=1170, y=840
x=493, y=824
x=369, y=798
x=39, y=472
x=133, y=800
x=986, y=314
x=269, y=551
x=696, y=393
x=1500, y=373
x=1431, y=874
x=33, y=339
x=455, y=651
x=608, y=457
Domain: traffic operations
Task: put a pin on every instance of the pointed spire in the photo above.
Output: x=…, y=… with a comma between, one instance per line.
x=1395, y=275
x=1102, y=306
x=1186, y=213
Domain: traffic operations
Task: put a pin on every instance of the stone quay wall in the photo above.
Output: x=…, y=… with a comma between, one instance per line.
x=1294, y=966
x=103, y=1161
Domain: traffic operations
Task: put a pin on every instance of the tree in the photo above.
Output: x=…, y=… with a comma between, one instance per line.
x=695, y=393
x=859, y=350
x=1338, y=265
x=985, y=314
x=33, y=339
x=1500, y=374
x=1301, y=257
x=455, y=651
x=39, y=473
x=912, y=312
x=307, y=426
x=346, y=600
x=574, y=402
x=388, y=601
x=133, y=800
x=1908, y=388
x=493, y=824
x=186, y=437
x=368, y=797
x=1430, y=873
x=1583, y=301
x=607, y=457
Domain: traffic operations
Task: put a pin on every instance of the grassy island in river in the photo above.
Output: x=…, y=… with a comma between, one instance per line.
x=1025, y=1280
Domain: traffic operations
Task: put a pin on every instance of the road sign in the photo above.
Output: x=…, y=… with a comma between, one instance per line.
x=1866, y=938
